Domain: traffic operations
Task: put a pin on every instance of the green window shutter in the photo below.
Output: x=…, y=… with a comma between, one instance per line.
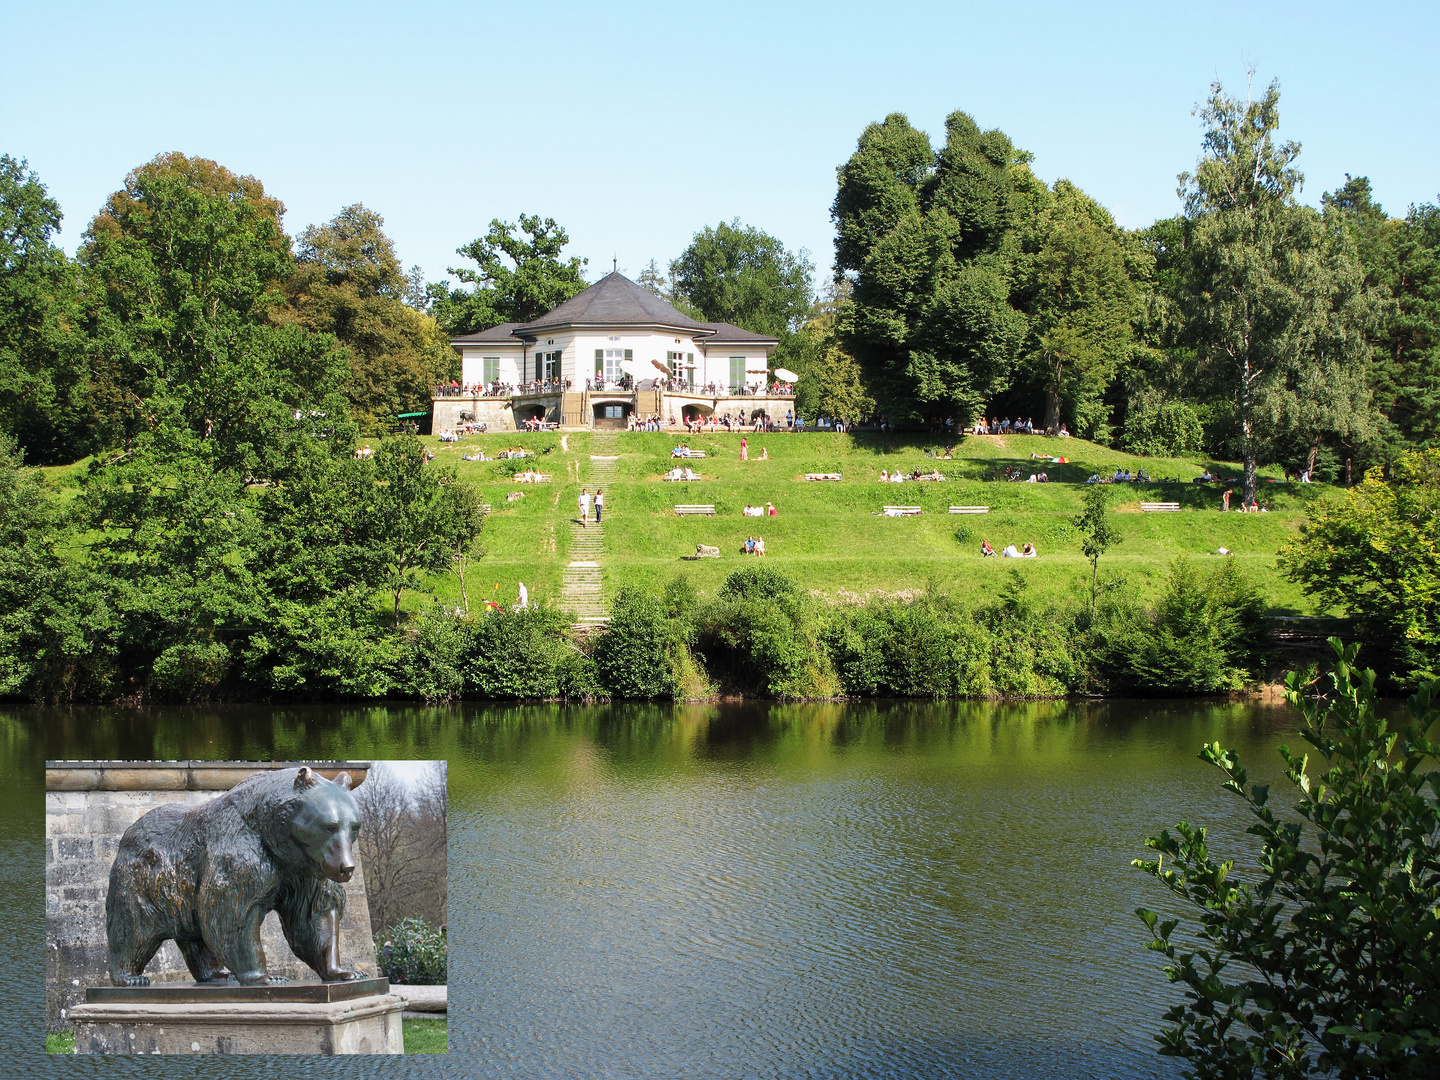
x=599, y=361
x=629, y=354
x=737, y=370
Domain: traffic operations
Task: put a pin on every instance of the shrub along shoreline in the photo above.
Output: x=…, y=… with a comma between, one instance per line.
x=761, y=636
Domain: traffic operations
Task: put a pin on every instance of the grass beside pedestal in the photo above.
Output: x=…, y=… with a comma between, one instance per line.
x=424, y=1036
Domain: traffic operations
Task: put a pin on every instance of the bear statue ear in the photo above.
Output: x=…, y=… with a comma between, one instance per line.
x=304, y=778
x=344, y=781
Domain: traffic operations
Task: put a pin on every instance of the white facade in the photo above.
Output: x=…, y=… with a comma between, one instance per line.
x=640, y=352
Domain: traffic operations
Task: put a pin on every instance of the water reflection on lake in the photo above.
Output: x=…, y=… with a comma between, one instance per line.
x=823, y=890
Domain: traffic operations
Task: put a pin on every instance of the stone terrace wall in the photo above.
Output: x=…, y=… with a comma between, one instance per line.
x=88, y=806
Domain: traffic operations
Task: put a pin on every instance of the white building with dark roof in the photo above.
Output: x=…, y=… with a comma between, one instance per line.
x=613, y=350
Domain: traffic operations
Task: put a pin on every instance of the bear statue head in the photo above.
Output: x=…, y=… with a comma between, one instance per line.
x=325, y=823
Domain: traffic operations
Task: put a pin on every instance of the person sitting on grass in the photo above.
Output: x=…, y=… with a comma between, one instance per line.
x=1028, y=551
x=986, y=551
x=1010, y=552
x=748, y=547
x=769, y=509
x=760, y=546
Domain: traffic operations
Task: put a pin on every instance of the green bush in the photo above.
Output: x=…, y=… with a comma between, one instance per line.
x=636, y=656
x=434, y=658
x=413, y=953
x=527, y=655
x=1205, y=634
x=763, y=637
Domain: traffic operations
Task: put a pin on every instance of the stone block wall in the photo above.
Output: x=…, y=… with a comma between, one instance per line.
x=88, y=806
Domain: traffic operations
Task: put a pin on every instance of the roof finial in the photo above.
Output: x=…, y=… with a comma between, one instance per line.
x=615, y=265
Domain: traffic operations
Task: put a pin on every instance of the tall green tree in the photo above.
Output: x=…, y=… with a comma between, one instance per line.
x=42, y=370
x=739, y=274
x=349, y=282
x=1402, y=257
x=1097, y=533
x=56, y=620
x=830, y=380
x=1274, y=295
x=520, y=276
x=931, y=240
x=416, y=516
x=1082, y=303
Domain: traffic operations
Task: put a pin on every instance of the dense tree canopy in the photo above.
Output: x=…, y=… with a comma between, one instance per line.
x=520, y=276
x=348, y=282
x=42, y=374
x=738, y=274
x=1274, y=295
x=932, y=241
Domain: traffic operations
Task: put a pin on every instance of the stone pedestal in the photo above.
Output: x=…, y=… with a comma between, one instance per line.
x=360, y=1017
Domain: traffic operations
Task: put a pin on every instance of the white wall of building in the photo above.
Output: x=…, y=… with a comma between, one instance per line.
x=577, y=356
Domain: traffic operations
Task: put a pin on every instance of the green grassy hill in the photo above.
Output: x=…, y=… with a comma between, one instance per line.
x=826, y=535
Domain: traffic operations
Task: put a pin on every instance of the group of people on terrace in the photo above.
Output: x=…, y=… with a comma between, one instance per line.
x=995, y=425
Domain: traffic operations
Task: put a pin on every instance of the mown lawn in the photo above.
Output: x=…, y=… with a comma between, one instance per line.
x=826, y=534
x=424, y=1036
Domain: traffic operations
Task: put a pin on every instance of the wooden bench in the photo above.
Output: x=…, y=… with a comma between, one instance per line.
x=681, y=479
x=688, y=457
x=1160, y=508
x=901, y=511
x=684, y=510
x=824, y=476
x=969, y=509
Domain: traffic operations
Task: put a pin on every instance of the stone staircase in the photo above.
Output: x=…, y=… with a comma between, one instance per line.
x=581, y=585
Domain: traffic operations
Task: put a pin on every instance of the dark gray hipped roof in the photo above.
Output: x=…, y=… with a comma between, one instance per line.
x=614, y=300
x=504, y=334
x=729, y=333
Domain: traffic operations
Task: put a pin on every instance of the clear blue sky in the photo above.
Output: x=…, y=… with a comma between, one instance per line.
x=635, y=125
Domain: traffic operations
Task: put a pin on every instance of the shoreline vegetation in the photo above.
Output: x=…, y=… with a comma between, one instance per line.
x=935, y=619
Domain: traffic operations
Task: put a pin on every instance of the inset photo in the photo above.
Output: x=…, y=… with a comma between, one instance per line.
x=240, y=907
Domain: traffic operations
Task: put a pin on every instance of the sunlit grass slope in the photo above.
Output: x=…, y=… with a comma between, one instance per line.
x=826, y=534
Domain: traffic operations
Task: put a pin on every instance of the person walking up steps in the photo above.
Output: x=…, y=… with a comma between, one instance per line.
x=584, y=502
x=599, y=504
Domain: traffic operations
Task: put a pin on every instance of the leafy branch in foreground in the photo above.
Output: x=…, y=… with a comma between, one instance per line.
x=1329, y=963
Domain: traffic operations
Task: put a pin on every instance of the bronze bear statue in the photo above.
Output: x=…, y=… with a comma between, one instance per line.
x=206, y=876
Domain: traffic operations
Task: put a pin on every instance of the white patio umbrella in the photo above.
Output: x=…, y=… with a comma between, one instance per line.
x=786, y=375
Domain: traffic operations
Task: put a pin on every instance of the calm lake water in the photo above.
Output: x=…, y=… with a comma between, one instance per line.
x=900, y=890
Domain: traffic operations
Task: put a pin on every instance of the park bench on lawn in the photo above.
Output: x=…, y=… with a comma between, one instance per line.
x=1160, y=508
x=901, y=511
x=682, y=479
x=969, y=509
x=698, y=509
x=823, y=476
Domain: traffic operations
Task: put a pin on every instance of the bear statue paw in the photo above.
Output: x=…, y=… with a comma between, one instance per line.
x=136, y=980
x=344, y=975
x=261, y=980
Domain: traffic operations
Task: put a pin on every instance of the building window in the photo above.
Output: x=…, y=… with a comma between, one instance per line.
x=613, y=360
x=737, y=371
x=614, y=412
x=552, y=365
x=490, y=369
